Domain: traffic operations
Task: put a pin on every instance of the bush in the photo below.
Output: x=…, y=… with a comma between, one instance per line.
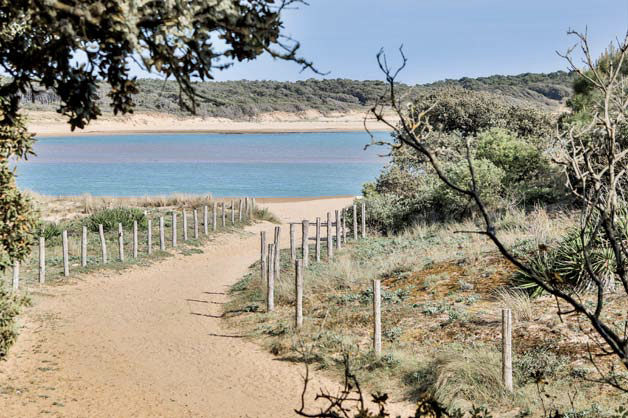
x=10, y=306
x=110, y=218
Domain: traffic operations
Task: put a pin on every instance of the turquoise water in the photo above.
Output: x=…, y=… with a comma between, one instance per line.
x=273, y=165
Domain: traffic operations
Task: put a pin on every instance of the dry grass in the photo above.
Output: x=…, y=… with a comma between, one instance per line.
x=518, y=301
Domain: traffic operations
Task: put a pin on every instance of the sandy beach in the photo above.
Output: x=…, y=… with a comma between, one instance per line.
x=52, y=124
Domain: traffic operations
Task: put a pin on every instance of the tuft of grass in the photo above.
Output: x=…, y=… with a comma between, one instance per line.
x=518, y=301
x=110, y=218
x=263, y=214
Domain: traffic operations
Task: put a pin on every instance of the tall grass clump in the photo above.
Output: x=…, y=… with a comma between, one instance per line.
x=110, y=218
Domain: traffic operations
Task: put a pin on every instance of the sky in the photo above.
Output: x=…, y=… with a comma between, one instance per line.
x=442, y=38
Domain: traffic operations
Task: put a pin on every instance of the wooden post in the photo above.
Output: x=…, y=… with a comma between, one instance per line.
x=318, y=239
x=121, y=241
x=66, y=261
x=338, y=236
x=206, y=220
x=195, y=223
x=344, y=225
x=135, y=243
x=507, y=349
x=185, y=225
x=103, y=244
x=305, y=243
x=42, y=260
x=263, y=256
x=240, y=211
x=149, y=237
x=363, y=220
x=377, y=319
x=84, y=247
x=270, y=297
x=330, y=244
x=224, y=215
x=355, y=222
x=214, y=212
x=174, y=228
x=16, y=275
x=298, y=268
x=293, y=246
x=277, y=259
x=232, y=212
x=162, y=234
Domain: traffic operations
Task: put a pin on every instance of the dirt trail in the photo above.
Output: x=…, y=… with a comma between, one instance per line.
x=149, y=342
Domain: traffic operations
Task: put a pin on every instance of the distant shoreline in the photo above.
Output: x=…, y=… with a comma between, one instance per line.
x=47, y=124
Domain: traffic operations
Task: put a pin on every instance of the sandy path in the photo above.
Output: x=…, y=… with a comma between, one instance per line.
x=148, y=342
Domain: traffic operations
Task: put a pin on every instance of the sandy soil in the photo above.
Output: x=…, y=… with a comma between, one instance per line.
x=50, y=123
x=149, y=342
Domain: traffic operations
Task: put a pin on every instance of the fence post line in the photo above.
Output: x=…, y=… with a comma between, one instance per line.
x=224, y=215
x=205, y=220
x=185, y=225
x=16, y=275
x=195, y=223
x=103, y=243
x=270, y=296
x=330, y=243
x=277, y=258
x=121, y=241
x=363, y=220
x=293, y=247
x=343, y=217
x=298, y=269
x=66, y=261
x=305, y=243
x=355, y=222
x=149, y=236
x=318, y=240
x=507, y=349
x=263, y=256
x=84, y=247
x=377, y=319
x=174, y=228
x=214, y=212
x=338, y=238
x=135, y=243
x=162, y=234
x=42, y=260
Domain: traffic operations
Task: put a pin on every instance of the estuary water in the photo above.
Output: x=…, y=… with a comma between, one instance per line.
x=270, y=165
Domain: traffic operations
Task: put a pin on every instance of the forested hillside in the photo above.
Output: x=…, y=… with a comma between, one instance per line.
x=247, y=99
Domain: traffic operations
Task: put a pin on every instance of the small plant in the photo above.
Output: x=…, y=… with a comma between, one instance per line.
x=49, y=230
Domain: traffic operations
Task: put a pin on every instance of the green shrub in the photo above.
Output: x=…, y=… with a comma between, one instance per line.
x=49, y=230
x=110, y=218
x=10, y=306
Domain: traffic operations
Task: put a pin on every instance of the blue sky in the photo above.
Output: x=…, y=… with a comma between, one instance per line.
x=442, y=39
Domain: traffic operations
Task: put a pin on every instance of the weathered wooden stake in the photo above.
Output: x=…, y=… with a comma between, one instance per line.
x=149, y=237
x=277, y=259
x=103, y=244
x=330, y=244
x=174, y=229
x=121, y=241
x=377, y=319
x=355, y=222
x=270, y=297
x=206, y=220
x=214, y=216
x=263, y=256
x=16, y=275
x=135, y=243
x=298, y=268
x=195, y=223
x=66, y=261
x=318, y=239
x=507, y=349
x=305, y=243
x=185, y=225
x=42, y=260
x=162, y=234
x=224, y=215
x=338, y=227
x=343, y=216
x=293, y=246
x=240, y=211
x=363, y=220
x=232, y=212
x=84, y=247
